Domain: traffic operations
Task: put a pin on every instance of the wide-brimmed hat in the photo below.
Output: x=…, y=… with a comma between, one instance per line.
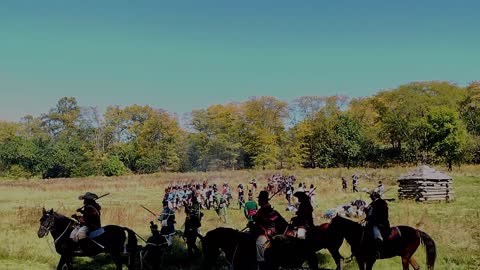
x=88, y=196
x=263, y=195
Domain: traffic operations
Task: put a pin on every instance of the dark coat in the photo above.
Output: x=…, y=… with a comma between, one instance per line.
x=91, y=215
x=377, y=215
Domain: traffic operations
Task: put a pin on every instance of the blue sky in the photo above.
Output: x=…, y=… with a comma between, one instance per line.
x=183, y=55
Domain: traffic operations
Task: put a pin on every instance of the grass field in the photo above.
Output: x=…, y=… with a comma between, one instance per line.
x=453, y=226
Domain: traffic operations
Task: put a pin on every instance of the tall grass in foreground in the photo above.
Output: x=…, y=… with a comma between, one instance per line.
x=453, y=226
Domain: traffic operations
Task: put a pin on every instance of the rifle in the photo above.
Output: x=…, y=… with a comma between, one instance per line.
x=151, y=212
x=106, y=194
x=311, y=192
x=276, y=193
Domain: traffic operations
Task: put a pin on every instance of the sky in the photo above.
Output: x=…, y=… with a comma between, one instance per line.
x=184, y=55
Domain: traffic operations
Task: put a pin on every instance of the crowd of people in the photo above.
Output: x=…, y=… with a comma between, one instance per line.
x=263, y=221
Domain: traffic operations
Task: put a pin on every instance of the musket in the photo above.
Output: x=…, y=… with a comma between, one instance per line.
x=276, y=193
x=311, y=192
x=106, y=194
x=148, y=210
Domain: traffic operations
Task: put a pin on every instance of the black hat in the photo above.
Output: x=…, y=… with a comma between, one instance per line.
x=263, y=195
x=88, y=196
x=301, y=195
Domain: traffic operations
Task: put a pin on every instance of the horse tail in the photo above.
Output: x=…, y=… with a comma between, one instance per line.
x=430, y=249
x=131, y=246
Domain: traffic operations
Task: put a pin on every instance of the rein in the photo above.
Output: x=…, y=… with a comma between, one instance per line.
x=66, y=229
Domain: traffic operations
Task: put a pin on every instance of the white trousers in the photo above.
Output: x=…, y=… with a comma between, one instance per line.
x=79, y=233
x=261, y=241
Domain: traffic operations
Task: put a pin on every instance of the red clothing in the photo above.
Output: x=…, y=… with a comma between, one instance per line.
x=269, y=221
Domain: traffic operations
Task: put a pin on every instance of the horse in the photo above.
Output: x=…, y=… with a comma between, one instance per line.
x=284, y=250
x=318, y=237
x=403, y=241
x=239, y=248
x=111, y=241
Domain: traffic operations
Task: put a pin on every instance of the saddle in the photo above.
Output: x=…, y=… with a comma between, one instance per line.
x=96, y=233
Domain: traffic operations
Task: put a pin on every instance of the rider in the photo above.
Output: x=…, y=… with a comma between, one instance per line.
x=90, y=219
x=268, y=223
x=167, y=218
x=304, y=215
x=377, y=219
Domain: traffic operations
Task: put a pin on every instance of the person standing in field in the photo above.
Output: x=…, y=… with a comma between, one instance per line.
x=167, y=219
x=250, y=209
x=241, y=199
x=354, y=183
x=380, y=188
x=344, y=184
x=192, y=225
x=311, y=194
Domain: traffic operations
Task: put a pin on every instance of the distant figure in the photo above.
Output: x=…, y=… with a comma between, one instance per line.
x=241, y=199
x=300, y=188
x=254, y=185
x=380, y=188
x=288, y=195
x=167, y=219
x=354, y=183
x=344, y=184
x=311, y=193
x=250, y=209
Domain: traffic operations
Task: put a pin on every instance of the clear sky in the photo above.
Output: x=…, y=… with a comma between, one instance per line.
x=183, y=55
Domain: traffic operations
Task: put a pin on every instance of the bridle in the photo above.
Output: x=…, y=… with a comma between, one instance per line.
x=50, y=225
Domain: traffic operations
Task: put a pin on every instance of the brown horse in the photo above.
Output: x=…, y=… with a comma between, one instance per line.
x=403, y=241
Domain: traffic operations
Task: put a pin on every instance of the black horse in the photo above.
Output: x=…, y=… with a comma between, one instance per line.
x=403, y=241
x=283, y=251
x=111, y=241
x=239, y=249
x=318, y=237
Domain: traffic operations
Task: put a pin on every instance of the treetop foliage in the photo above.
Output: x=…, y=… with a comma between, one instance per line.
x=429, y=122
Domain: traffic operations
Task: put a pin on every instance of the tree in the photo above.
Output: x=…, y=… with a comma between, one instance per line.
x=446, y=135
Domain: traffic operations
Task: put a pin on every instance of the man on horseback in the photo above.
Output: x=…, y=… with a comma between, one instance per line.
x=90, y=219
x=377, y=219
x=304, y=215
x=268, y=223
x=167, y=218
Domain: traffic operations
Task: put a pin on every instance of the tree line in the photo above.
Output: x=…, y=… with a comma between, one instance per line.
x=431, y=122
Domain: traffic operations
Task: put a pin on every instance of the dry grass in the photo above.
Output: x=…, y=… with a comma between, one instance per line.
x=453, y=226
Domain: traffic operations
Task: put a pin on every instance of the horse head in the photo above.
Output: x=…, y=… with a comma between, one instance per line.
x=47, y=222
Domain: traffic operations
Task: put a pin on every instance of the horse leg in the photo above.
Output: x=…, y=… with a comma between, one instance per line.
x=313, y=261
x=61, y=263
x=405, y=262
x=414, y=263
x=65, y=263
x=117, y=260
x=336, y=257
x=361, y=264
x=369, y=264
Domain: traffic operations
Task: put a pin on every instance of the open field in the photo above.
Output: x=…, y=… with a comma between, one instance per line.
x=453, y=226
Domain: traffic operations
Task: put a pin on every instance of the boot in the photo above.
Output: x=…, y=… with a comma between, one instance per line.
x=379, y=248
